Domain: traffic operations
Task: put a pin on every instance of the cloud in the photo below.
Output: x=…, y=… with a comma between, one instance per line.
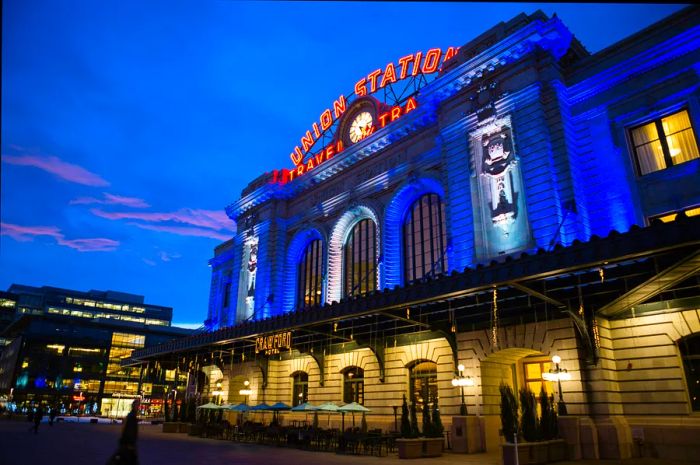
x=28, y=233
x=211, y=219
x=111, y=199
x=188, y=325
x=166, y=257
x=149, y=262
x=56, y=166
x=184, y=231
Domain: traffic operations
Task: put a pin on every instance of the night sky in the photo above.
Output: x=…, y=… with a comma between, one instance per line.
x=128, y=126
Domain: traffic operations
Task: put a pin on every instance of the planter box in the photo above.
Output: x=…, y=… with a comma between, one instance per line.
x=170, y=427
x=183, y=427
x=194, y=429
x=509, y=451
x=539, y=452
x=432, y=447
x=557, y=450
x=410, y=448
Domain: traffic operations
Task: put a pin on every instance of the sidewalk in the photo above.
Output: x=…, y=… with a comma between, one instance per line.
x=92, y=444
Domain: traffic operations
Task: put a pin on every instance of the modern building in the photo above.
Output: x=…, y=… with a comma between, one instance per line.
x=486, y=207
x=66, y=347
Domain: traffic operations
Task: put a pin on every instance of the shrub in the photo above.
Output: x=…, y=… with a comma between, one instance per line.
x=438, y=428
x=406, y=431
x=415, y=432
x=528, y=419
x=509, y=412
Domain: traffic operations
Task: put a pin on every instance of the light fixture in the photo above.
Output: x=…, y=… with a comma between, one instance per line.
x=461, y=381
x=558, y=374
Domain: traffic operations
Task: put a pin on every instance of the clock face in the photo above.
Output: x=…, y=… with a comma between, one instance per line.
x=361, y=127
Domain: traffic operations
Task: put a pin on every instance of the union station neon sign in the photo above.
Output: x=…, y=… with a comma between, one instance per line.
x=407, y=67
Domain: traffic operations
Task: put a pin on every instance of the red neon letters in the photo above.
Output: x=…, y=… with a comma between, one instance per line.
x=376, y=80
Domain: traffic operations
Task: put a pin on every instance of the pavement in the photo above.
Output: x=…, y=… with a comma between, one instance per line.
x=93, y=444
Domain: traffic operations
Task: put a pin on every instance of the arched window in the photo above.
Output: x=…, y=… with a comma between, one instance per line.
x=423, y=383
x=360, y=254
x=690, y=353
x=300, y=388
x=425, y=239
x=354, y=385
x=310, y=274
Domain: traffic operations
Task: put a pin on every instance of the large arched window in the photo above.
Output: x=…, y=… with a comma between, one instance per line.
x=690, y=352
x=360, y=254
x=310, y=274
x=354, y=385
x=300, y=388
x=423, y=383
x=425, y=239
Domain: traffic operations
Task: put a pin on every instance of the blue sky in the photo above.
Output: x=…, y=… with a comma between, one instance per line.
x=128, y=126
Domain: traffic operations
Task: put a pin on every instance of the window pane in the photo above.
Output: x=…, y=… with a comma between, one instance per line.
x=682, y=146
x=309, y=275
x=360, y=259
x=644, y=134
x=651, y=157
x=676, y=122
x=424, y=239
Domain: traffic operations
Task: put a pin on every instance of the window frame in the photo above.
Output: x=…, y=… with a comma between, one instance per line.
x=300, y=384
x=301, y=278
x=441, y=236
x=357, y=378
x=371, y=281
x=412, y=376
x=668, y=160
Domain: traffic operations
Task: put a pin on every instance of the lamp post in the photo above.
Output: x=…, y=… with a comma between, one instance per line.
x=461, y=381
x=558, y=374
x=246, y=391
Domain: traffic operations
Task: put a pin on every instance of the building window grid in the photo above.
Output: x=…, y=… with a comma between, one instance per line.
x=354, y=385
x=360, y=256
x=658, y=145
x=310, y=275
x=300, y=388
x=423, y=383
x=425, y=238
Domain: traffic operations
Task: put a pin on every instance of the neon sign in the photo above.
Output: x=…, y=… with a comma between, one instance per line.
x=272, y=344
x=408, y=66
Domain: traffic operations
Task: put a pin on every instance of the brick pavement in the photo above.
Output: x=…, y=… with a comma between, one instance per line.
x=91, y=444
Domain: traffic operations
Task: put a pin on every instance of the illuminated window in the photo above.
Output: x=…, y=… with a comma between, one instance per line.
x=425, y=239
x=532, y=372
x=354, y=385
x=690, y=353
x=423, y=383
x=664, y=142
x=360, y=254
x=300, y=388
x=310, y=272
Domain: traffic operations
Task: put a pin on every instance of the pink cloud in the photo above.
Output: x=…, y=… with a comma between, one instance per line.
x=211, y=219
x=184, y=231
x=111, y=199
x=56, y=166
x=28, y=233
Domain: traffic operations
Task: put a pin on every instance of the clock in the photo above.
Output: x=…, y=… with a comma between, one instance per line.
x=360, y=127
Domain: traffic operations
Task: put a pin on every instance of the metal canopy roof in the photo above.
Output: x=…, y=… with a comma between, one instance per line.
x=604, y=276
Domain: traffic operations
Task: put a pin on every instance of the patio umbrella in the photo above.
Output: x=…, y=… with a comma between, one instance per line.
x=239, y=408
x=209, y=406
x=261, y=408
x=328, y=407
x=352, y=408
x=278, y=407
x=305, y=407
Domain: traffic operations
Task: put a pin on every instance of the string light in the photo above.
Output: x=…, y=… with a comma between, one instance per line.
x=408, y=313
x=494, y=326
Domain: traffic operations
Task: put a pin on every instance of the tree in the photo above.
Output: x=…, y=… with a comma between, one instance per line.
x=438, y=428
x=405, y=422
x=546, y=412
x=415, y=432
x=528, y=419
x=166, y=411
x=509, y=412
x=427, y=427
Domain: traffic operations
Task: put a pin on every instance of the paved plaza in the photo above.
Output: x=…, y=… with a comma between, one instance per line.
x=92, y=444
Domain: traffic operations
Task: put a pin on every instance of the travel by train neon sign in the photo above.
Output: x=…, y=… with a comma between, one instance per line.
x=413, y=66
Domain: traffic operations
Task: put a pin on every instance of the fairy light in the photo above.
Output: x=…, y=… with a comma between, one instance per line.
x=494, y=327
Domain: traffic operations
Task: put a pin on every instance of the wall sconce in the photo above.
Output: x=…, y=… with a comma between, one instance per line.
x=558, y=374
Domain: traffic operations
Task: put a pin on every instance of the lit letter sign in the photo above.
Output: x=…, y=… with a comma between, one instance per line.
x=273, y=343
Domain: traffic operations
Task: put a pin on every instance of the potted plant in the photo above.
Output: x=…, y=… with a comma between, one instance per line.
x=409, y=446
x=510, y=429
x=530, y=427
x=549, y=431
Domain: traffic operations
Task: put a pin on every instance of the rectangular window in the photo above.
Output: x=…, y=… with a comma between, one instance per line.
x=664, y=142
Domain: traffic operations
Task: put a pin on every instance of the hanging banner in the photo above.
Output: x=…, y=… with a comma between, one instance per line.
x=272, y=344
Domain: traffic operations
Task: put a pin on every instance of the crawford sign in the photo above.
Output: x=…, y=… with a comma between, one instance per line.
x=272, y=344
x=406, y=67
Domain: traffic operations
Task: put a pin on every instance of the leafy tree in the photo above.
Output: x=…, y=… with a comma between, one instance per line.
x=509, y=412
x=415, y=432
x=438, y=428
x=528, y=419
x=545, y=416
x=427, y=427
x=406, y=431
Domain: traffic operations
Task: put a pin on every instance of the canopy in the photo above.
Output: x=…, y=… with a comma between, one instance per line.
x=239, y=408
x=305, y=407
x=260, y=407
x=353, y=407
x=210, y=406
x=328, y=407
x=280, y=406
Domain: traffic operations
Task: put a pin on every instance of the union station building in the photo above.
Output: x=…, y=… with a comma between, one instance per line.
x=486, y=207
